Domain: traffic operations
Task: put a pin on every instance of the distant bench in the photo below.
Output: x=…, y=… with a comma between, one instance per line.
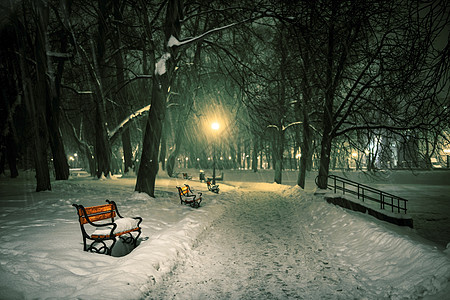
x=186, y=176
x=213, y=188
x=188, y=197
x=106, y=231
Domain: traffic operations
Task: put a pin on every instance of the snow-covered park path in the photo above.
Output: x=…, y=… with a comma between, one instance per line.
x=259, y=250
x=254, y=240
x=277, y=245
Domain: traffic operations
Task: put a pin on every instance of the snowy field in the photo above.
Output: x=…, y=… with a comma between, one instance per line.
x=255, y=240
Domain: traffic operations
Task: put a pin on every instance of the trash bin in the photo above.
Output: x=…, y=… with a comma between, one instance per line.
x=202, y=176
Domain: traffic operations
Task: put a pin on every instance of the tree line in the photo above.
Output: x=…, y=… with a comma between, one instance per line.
x=140, y=81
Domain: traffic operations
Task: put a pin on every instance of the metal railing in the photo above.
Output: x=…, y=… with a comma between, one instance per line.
x=364, y=192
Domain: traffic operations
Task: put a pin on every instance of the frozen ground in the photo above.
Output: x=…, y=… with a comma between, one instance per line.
x=253, y=240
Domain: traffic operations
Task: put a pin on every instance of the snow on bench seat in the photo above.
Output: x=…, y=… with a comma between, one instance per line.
x=124, y=225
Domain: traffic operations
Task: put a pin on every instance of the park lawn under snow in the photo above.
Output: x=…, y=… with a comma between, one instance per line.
x=257, y=240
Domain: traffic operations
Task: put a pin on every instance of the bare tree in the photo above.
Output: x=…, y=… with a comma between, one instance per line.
x=161, y=82
x=368, y=50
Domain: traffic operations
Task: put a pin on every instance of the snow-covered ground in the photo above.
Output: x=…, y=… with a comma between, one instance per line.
x=253, y=240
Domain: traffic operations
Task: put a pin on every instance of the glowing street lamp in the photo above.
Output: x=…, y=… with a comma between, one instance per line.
x=215, y=127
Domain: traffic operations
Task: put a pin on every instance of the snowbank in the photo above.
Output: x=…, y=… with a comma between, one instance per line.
x=41, y=246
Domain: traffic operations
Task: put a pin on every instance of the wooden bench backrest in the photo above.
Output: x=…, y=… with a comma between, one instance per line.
x=184, y=191
x=97, y=213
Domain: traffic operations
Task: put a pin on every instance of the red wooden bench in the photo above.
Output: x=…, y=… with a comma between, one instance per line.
x=103, y=227
x=188, y=197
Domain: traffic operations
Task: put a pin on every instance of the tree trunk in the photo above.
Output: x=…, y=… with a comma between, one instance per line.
x=11, y=154
x=306, y=150
x=278, y=148
x=149, y=160
x=239, y=154
x=60, y=163
x=247, y=155
x=302, y=111
x=123, y=93
x=262, y=145
x=102, y=145
x=327, y=137
x=56, y=143
x=325, y=150
x=179, y=134
x=268, y=152
x=233, y=156
x=148, y=167
x=8, y=136
x=37, y=101
x=163, y=152
x=324, y=161
x=255, y=153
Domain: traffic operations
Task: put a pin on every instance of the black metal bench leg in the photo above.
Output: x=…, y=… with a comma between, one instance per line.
x=84, y=244
x=136, y=238
x=103, y=249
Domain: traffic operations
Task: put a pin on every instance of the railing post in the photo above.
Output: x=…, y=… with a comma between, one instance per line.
x=334, y=183
x=343, y=187
x=358, y=190
x=381, y=199
x=392, y=204
x=363, y=195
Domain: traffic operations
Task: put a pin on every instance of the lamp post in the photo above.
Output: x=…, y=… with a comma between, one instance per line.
x=447, y=151
x=72, y=159
x=215, y=127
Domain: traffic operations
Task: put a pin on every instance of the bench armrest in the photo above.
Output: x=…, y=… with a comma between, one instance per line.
x=139, y=222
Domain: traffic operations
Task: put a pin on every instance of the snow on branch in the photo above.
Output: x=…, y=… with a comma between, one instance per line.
x=174, y=42
x=116, y=132
x=283, y=128
x=160, y=66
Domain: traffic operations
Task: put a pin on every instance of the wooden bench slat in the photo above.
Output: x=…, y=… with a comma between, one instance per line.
x=99, y=208
x=184, y=191
x=98, y=217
